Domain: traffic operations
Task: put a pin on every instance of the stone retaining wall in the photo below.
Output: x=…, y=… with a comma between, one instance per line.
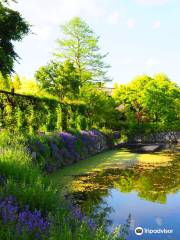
x=164, y=137
x=64, y=148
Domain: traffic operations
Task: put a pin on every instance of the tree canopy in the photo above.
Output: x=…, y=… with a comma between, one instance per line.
x=12, y=28
x=149, y=104
x=101, y=107
x=60, y=79
x=80, y=46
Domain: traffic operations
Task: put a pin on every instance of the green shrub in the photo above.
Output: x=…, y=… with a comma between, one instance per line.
x=31, y=114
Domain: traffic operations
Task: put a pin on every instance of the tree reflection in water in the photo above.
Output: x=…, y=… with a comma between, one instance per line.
x=152, y=182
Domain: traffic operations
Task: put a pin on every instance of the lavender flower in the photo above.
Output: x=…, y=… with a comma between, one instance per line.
x=8, y=210
x=70, y=142
x=24, y=220
x=77, y=213
x=92, y=224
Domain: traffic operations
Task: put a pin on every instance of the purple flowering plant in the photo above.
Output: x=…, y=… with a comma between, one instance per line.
x=77, y=214
x=24, y=221
x=70, y=142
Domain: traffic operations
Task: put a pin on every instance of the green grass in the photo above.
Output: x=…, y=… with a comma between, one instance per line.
x=24, y=180
x=30, y=186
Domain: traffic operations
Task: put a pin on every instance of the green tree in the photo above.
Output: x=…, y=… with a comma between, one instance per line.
x=16, y=82
x=80, y=45
x=160, y=98
x=5, y=82
x=60, y=79
x=149, y=104
x=100, y=106
x=12, y=28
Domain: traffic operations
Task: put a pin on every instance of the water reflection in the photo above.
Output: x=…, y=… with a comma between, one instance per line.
x=148, y=192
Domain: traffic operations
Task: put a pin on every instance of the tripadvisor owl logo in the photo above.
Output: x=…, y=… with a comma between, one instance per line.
x=139, y=231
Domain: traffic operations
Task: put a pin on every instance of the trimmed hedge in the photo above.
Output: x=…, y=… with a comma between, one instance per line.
x=29, y=113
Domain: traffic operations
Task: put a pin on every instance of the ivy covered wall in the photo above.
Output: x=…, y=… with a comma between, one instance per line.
x=28, y=113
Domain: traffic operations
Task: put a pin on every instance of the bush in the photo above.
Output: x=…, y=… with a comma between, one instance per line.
x=23, y=112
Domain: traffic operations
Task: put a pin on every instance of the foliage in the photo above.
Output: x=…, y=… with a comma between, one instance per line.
x=49, y=151
x=28, y=86
x=23, y=112
x=80, y=46
x=16, y=82
x=23, y=221
x=23, y=180
x=58, y=79
x=101, y=107
x=29, y=207
x=12, y=28
x=54, y=151
x=5, y=82
x=20, y=85
x=94, y=108
x=149, y=104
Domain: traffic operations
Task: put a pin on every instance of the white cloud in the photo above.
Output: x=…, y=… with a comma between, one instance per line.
x=156, y=24
x=114, y=18
x=152, y=62
x=58, y=11
x=152, y=2
x=131, y=22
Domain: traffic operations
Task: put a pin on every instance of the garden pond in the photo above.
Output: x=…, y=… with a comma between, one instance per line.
x=141, y=189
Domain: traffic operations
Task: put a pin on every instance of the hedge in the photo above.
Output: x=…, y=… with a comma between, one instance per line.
x=29, y=113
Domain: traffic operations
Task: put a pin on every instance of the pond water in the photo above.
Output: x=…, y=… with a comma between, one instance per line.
x=144, y=193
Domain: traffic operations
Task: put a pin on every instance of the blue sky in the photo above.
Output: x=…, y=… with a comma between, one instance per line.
x=141, y=36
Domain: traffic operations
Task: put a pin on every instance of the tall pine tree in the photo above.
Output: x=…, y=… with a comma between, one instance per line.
x=80, y=46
